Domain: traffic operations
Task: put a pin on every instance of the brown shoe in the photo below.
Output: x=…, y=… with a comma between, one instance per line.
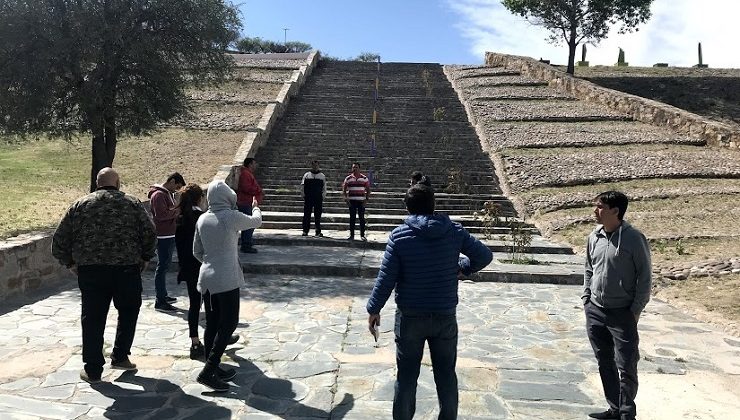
x=89, y=378
x=124, y=364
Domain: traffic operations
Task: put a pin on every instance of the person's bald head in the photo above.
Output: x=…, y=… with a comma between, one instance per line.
x=108, y=177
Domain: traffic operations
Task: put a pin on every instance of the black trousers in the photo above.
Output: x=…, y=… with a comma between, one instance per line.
x=614, y=339
x=356, y=207
x=194, y=310
x=316, y=206
x=99, y=284
x=222, y=317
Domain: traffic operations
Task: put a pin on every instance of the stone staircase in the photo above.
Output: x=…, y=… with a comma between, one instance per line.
x=421, y=125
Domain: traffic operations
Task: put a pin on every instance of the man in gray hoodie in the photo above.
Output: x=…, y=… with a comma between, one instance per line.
x=220, y=276
x=616, y=288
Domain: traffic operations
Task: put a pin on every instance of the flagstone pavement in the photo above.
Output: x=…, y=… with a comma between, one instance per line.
x=305, y=353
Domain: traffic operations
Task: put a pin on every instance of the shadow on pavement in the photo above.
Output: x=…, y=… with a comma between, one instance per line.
x=160, y=399
x=274, y=395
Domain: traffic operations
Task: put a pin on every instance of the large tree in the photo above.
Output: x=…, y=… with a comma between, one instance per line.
x=107, y=67
x=576, y=21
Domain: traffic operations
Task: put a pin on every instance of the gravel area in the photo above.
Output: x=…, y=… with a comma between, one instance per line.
x=465, y=72
x=613, y=71
x=717, y=267
x=238, y=90
x=262, y=75
x=222, y=116
x=548, y=202
x=513, y=92
x=547, y=110
x=499, y=81
x=573, y=167
x=502, y=135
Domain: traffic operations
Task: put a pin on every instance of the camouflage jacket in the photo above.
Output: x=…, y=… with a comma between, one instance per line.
x=105, y=227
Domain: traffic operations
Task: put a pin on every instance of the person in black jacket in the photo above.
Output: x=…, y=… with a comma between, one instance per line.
x=190, y=198
x=313, y=191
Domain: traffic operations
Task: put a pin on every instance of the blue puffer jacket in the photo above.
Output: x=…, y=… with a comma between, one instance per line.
x=422, y=260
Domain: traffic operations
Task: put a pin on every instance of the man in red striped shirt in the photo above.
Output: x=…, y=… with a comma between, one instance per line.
x=356, y=192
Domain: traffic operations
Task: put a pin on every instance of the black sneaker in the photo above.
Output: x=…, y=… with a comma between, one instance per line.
x=305, y=234
x=197, y=351
x=91, y=379
x=233, y=339
x=124, y=364
x=351, y=238
x=209, y=377
x=170, y=299
x=164, y=307
x=608, y=415
x=225, y=374
x=363, y=239
x=319, y=235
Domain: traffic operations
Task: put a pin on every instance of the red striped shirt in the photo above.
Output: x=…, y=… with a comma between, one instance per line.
x=356, y=186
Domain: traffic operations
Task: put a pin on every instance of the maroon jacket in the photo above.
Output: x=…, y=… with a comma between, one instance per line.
x=248, y=188
x=164, y=212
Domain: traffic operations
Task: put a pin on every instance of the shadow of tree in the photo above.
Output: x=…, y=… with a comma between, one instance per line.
x=274, y=395
x=159, y=399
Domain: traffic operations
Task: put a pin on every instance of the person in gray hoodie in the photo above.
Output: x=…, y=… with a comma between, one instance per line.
x=220, y=276
x=616, y=288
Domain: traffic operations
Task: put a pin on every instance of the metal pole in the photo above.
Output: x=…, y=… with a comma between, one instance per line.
x=285, y=35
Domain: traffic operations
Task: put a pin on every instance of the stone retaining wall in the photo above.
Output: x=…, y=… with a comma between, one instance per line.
x=652, y=112
x=26, y=265
x=256, y=138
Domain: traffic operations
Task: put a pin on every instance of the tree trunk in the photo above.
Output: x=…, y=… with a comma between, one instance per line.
x=103, y=149
x=571, y=57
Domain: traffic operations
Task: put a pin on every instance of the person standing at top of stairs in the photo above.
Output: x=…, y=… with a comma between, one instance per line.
x=313, y=192
x=247, y=190
x=356, y=192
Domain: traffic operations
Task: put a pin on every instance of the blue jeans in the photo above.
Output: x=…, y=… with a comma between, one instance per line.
x=246, y=234
x=412, y=329
x=164, y=257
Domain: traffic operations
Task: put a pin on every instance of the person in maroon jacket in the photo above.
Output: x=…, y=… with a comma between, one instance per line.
x=247, y=189
x=164, y=213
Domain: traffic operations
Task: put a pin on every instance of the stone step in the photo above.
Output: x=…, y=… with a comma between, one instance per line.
x=540, y=248
x=373, y=216
x=361, y=262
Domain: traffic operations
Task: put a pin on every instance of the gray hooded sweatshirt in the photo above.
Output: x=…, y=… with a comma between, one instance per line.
x=618, y=272
x=216, y=238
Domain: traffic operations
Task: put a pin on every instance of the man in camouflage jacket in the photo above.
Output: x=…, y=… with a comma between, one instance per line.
x=106, y=239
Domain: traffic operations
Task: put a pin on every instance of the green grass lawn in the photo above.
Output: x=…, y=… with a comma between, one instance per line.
x=39, y=179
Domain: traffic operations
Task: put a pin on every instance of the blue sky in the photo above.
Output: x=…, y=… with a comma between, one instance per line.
x=460, y=31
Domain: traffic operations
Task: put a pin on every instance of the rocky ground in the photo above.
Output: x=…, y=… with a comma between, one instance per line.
x=714, y=93
x=686, y=197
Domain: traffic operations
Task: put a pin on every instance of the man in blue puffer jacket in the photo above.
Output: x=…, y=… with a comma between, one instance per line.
x=422, y=262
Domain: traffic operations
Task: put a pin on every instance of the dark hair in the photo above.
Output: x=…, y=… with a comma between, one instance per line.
x=190, y=195
x=248, y=161
x=614, y=199
x=177, y=178
x=419, y=178
x=356, y=163
x=420, y=199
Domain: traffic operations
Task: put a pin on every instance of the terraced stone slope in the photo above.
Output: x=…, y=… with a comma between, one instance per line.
x=421, y=126
x=558, y=153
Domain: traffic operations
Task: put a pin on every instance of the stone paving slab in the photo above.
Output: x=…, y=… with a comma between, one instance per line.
x=305, y=353
x=365, y=262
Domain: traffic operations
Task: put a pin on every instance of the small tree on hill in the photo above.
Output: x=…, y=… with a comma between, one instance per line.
x=257, y=45
x=107, y=67
x=575, y=21
x=368, y=57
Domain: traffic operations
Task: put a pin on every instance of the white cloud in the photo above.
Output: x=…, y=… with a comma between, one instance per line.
x=671, y=35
